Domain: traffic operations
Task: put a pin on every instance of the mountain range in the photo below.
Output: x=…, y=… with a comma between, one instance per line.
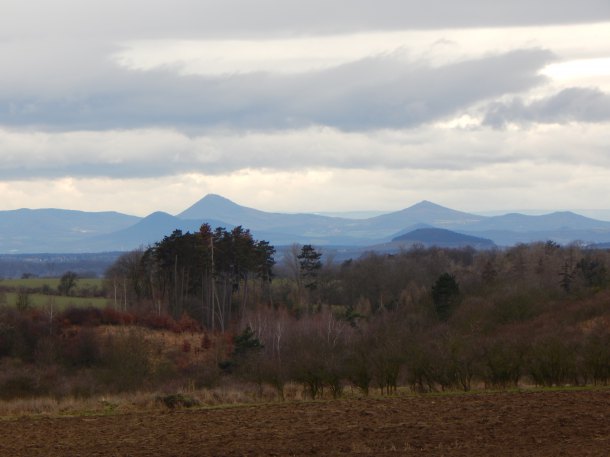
x=68, y=231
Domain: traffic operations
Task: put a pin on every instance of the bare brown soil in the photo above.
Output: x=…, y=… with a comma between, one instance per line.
x=569, y=423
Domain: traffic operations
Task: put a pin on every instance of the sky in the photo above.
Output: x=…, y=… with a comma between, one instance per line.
x=283, y=105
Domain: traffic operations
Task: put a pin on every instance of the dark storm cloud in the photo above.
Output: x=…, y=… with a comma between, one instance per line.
x=377, y=92
x=570, y=105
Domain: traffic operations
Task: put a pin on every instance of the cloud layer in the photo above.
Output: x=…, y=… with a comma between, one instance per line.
x=569, y=105
x=378, y=104
x=385, y=91
x=188, y=18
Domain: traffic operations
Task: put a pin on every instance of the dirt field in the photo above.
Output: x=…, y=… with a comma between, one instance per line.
x=509, y=424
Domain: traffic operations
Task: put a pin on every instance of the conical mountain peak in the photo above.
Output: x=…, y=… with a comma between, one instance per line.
x=212, y=205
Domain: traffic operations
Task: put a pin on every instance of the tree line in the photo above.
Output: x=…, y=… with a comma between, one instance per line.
x=211, y=275
x=427, y=318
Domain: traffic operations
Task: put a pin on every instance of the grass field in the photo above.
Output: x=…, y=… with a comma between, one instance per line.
x=59, y=302
x=42, y=292
x=35, y=283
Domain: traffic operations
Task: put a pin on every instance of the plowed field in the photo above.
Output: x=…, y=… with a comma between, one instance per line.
x=508, y=424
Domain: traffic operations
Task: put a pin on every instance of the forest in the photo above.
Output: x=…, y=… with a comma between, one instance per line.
x=213, y=308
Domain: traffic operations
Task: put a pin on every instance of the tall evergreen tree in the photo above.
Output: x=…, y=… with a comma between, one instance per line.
x=310, y=264
x=445, y=295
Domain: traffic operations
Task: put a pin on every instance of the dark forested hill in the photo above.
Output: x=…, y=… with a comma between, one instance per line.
x=443, y=238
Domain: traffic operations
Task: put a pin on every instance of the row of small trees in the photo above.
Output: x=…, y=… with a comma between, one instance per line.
x=323, y=352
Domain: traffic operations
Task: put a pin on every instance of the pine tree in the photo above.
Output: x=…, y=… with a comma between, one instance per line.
x=445, y=295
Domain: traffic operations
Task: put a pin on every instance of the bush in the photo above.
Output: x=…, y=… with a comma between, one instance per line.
x=111, y=316
x=503, y=362
x=552, y=361
x=126, y=359
x=82, y=350
x=19, y=380
x=158, y=322
x=178, y=400
x=81, y=316
x=22, y=386
x=187, y=324
x=596, y=356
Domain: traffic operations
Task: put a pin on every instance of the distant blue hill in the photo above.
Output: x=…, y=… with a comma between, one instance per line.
x=55, y=230
x=561, y=220
x=147, y=231
x=220, y=208
x=65, y=231
x=443, y=238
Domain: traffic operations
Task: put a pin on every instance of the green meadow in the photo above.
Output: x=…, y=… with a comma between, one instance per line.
x=42, y=292
x=38, y=283
x=57, y=301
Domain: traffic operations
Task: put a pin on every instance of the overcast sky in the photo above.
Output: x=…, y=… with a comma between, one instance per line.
x=285, y=105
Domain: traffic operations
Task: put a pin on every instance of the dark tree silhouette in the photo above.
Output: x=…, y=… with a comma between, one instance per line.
x=445, y=294
x=67, y=282
x=310, y=264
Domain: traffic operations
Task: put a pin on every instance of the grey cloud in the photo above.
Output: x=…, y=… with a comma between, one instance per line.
x=156, y=152
x=377, y=92
x=232, y=18
x=570, y=105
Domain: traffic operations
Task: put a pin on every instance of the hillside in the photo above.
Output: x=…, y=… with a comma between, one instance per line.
x=56, y=230
x=147, y=231
x=442, y=238
x=65, y=231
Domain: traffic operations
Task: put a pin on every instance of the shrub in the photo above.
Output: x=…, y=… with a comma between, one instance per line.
x=596, y=355
x=19, y=387
x=22, y=301
x=186, y=324
x=81, y=316
x=81, y=350
x=552, y=361
x=178, y=400
x=503, y=362
x=126, y=359
x=158, y=322
x=111, y=316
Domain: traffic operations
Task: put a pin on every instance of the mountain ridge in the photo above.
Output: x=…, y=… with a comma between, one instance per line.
x=56, y=230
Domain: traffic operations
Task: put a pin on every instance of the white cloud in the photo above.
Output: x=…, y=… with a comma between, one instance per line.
x=374, y=92
x=305, y=53
x=156, y=153
x=321, y=169
x=291, y=105
x=525, y=185
x=576, y=69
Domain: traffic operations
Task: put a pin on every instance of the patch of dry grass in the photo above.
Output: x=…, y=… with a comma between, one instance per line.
x=140, y=401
